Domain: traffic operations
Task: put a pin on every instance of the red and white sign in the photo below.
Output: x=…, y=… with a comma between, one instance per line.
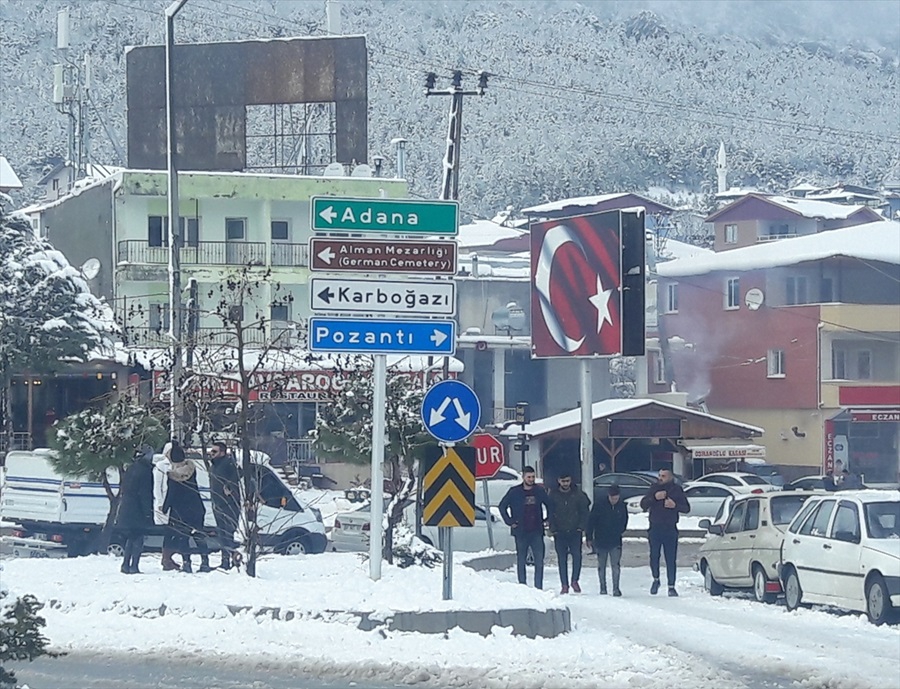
x=576, y=277
x=488, y=455
x=891, y=415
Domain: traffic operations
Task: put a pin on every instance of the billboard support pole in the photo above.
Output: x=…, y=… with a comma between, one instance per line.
x=587, y=430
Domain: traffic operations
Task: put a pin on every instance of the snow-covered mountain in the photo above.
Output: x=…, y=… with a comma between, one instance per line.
x=585, y=96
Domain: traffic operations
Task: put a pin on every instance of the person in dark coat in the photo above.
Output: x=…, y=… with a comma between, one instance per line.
x=522, y=508
x=225, y=489
x=135, y=515
x=569, y=509
x=664, y=501
x=185, y=509
x=607, y=523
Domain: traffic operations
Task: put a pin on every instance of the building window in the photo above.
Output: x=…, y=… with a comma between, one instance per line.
x=281, y=312
x=236, y=313
x=731, y=234
x=796, y=291
x=157, y=230
x=159, y=317
x=672, y=297
x=235, y=229
x=864, y=364
x=659, y=368
x=780, y=230
x=775, y=363
x=826, y=291
x=281, y=230
x=55, y=185
x=733, y=293
x=838, y=364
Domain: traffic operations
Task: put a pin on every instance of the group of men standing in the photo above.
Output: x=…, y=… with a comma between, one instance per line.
x=165, y=493
x=571, y=520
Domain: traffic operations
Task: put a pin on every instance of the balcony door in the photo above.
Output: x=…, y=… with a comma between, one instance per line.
x=236, y=249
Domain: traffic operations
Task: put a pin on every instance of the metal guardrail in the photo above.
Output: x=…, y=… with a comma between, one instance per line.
x=216, y=253
x=150, y=337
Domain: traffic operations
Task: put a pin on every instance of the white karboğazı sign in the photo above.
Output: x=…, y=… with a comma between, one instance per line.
x=413, y=297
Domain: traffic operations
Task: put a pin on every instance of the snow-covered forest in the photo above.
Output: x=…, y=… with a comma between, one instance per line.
x=585, y=97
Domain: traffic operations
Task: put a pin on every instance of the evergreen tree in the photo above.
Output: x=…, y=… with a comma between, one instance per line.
x=48, y=315
x=97, y=443
x=20, y=634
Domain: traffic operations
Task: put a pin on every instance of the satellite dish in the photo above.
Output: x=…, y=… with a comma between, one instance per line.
x=334, y=170
x=754, y=298
x=362, y=170
x=91, y=268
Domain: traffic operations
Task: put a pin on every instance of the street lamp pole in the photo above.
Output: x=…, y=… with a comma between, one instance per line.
x=176, y=404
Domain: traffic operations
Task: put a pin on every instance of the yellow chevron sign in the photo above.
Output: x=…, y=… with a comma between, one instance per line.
x=449, y=488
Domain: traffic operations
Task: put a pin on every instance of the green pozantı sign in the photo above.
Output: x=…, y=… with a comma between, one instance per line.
x=334, y=214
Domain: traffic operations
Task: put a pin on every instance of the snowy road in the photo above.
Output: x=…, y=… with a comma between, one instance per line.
x=635, y=642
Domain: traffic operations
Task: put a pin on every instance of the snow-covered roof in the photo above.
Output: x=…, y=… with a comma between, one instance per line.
x=576, y=201
x=876, y=241
x=8, y=177
x=804, y=186
x=674, y=249
x=804, y=207
x=607, y=408
x=484, y=233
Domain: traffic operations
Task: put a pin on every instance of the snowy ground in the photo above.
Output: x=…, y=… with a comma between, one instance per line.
x=637, y=641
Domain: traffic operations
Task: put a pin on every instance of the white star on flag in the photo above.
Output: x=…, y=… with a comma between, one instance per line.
x=600, y=301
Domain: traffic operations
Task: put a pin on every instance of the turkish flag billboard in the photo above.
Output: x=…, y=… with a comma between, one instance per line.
x=577, y=304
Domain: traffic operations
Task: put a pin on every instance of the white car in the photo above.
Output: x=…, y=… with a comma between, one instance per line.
x=843, y=549
x=743, y=552
x=705, y=499
x=738, y=479
x=351, y=531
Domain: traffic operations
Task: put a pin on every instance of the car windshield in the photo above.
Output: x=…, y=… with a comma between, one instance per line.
x=785, y=507
x=883, y=519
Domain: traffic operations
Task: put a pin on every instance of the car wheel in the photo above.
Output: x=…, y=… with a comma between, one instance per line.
x=292, y=544
x=793, y=594
x=759, y=586
x=115, y=549
x=710, y=583
x=878, y=601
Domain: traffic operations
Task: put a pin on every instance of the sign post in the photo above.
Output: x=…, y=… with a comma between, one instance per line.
x=376, y=517
x=488, y=460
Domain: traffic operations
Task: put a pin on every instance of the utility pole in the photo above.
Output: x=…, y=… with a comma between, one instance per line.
x=176, y=402
x=450, y=179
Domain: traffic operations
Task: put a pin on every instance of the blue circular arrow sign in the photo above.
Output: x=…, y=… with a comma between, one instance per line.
x=451, y=411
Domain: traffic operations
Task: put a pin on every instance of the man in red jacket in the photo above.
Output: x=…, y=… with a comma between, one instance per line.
x=664, y=501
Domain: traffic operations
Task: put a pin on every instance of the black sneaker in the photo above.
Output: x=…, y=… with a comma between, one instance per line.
x=603, y=592
x=617, y=593
x=672, y=592
x=654, y=587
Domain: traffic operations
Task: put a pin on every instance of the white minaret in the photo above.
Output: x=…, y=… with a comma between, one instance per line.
x=333, y=17
x=722, y=168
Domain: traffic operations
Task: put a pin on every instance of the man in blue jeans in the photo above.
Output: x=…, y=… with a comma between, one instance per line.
x=664, y=501
x=522, y=508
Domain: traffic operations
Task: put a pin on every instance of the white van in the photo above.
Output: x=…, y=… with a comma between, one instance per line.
x=55, y=513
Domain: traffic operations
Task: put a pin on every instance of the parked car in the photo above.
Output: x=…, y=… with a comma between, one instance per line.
x=737, y=479
x=767, y=472
x=631, y=484
x=705, y=499
x=808, y=483
x=743, y=551
x=351, y=531
x=843, y=549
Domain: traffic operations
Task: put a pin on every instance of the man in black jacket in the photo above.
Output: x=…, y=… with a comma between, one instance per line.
x=522, y=508
x=664, y=501
x=135, y=516
x=607, y=523
x=569, y=507
x=225, y=490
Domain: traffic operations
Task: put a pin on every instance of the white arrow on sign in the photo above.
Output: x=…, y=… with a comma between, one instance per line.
x=437, y=415
x=326, y=255
x=438, y=337
x=463, y=419
x=328, y=214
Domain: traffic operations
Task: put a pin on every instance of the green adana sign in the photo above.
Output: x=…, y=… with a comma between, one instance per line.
x=334, y=214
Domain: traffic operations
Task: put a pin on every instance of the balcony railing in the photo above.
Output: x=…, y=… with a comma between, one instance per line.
x=152, y=337
x=139, y=252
